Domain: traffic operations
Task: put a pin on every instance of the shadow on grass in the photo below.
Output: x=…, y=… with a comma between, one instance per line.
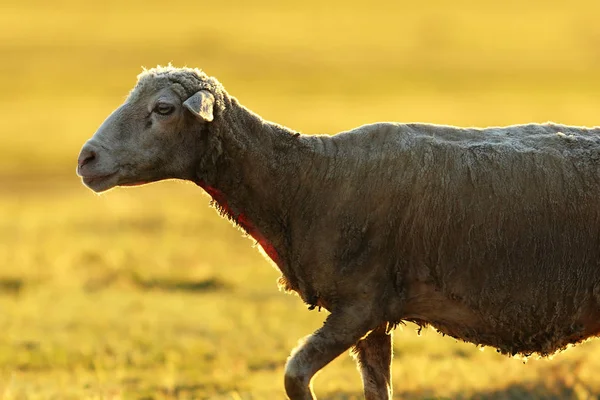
x=11, y=286
x=180, y=285
x=533, y=391
x=133, y=280
x=180, y=391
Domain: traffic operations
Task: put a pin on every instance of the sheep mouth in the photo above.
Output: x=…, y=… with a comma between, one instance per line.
x=99, y=183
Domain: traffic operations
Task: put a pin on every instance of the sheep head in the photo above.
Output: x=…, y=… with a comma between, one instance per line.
x=156, y=134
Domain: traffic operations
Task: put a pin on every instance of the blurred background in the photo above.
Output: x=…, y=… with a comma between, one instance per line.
x=146, y=293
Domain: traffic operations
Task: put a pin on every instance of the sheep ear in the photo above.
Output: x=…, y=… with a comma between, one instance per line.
x=201, y=105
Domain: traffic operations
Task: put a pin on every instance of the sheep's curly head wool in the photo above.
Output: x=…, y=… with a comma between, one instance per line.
x=183, y=81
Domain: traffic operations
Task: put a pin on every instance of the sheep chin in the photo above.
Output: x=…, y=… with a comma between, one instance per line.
x=101, y=183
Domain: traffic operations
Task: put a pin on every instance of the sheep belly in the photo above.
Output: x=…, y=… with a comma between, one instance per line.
x=510, y=333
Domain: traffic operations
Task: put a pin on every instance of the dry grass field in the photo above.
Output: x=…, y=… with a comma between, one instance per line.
x=147, y=293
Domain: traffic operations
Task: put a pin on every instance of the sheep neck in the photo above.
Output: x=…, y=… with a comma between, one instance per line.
x=252, y=175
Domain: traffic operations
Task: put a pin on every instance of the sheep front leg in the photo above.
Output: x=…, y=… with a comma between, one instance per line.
x=340, y=331
x=374, y=357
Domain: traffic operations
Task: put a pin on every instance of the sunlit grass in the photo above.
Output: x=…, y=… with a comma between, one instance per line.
x=116, y=294
x=146, y=293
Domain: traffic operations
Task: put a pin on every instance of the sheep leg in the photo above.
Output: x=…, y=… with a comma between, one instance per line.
x=340, y=331
x=374, y=358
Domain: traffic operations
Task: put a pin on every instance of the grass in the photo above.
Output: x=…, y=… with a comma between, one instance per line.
x=146, y=293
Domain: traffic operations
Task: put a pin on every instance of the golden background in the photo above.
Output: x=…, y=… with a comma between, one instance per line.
x=146, y=293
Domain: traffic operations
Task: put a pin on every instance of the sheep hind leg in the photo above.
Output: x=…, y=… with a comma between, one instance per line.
x=340, y=331
x=374, y=358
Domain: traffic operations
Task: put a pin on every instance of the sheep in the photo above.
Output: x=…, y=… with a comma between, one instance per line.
x=491, y=236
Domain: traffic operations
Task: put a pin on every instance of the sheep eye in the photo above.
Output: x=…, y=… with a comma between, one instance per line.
x=164, y=109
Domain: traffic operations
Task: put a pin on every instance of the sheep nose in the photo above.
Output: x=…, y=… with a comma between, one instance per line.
x=86, y=156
